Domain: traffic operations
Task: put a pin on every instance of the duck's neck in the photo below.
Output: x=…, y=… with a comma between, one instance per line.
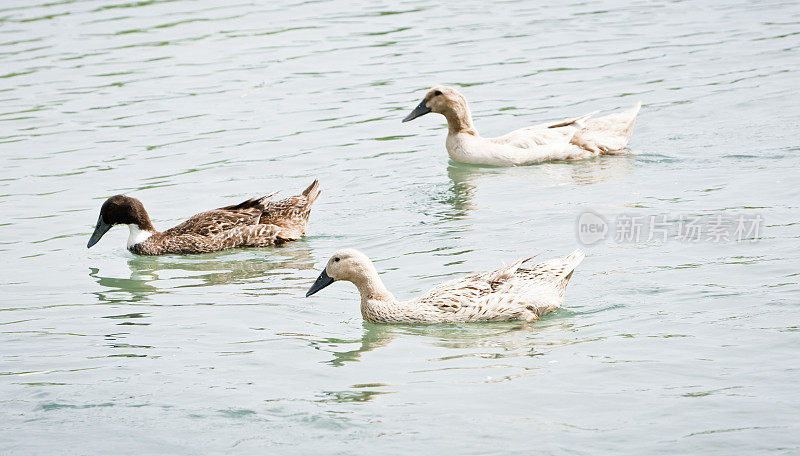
x=139, y=234
x=371, y=287
x=459, y=120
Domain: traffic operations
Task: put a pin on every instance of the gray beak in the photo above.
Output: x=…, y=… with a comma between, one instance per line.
x=322, y=281
x=420, y=110
x=99, y=230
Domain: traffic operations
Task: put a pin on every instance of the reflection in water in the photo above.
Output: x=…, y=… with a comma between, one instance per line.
x=601, y=169
x=129, y=316
x=465, y=178
x=150, y=275
x=493, y=339
x=355, y=395
x=221, y=268
x=133, y=289
x=462, y=191
x=374, y=336
x=512, y=338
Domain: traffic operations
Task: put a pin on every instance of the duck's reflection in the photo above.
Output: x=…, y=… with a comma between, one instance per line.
x=357, y=394
x=463, y=187
x=151, y=275
x=374, y=336
x=118, y=289
x=465, y=178
x=600, y=169
x=505, y=336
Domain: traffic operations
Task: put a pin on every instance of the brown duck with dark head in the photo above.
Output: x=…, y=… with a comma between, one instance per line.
x=257, y=222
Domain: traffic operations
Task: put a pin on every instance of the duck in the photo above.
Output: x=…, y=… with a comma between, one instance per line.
x=520, y=291
x=257, y=222
x=570, y=139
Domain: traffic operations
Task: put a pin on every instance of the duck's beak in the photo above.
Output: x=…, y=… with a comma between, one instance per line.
x=99, y=230
x=420, y=110
x=322, y=281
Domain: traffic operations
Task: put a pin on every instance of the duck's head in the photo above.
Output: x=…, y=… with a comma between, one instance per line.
x=439, y=99
x=120, y=210
x=346, y=264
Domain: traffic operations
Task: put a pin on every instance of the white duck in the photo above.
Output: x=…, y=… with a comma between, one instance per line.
x=570, y=139
x=521, y=291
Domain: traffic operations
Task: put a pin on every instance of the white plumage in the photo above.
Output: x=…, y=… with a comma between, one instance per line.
x=571, y=139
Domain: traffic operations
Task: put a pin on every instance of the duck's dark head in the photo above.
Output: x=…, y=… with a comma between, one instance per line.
x=120, y=210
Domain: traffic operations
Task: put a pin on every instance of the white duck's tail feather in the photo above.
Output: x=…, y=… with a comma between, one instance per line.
x=613, y=131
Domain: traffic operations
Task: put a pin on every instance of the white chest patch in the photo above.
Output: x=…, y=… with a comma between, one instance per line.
x=137, y=235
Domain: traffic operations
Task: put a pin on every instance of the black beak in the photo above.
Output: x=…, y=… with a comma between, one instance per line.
x=99, y=230
x=322, y=281
x=420, y=110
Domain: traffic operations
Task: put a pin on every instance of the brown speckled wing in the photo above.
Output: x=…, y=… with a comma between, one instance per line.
x=511, y=292
x=213, y=223
x=187, y=242
x=456, y=295
x=249, y=236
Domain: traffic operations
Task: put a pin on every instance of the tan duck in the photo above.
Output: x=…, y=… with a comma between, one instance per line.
x=521, y=291
x=571, y=139
x=257, y=222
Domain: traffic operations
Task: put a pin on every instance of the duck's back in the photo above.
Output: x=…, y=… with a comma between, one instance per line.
x=515, y=292
x=537, y=135
x=217, y=221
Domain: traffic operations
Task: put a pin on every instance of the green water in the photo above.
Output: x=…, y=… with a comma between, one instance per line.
x=683, y=346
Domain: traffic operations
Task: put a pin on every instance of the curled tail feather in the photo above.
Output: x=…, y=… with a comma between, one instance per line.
x=571, y=262
x=312, y=193
x=556, y=272
x=291, y=214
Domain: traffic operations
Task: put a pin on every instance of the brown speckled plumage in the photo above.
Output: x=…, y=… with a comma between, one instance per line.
x=256, y=222
x=521, y=291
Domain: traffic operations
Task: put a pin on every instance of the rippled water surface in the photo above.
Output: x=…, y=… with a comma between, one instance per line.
x=676, y=347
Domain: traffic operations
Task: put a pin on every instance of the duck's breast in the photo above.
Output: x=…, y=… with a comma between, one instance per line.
x=475, y=150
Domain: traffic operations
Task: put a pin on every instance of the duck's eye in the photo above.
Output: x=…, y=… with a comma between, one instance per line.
x=437, y=93
x=336, y=259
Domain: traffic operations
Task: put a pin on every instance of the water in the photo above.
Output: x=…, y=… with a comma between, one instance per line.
x=662, y=347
